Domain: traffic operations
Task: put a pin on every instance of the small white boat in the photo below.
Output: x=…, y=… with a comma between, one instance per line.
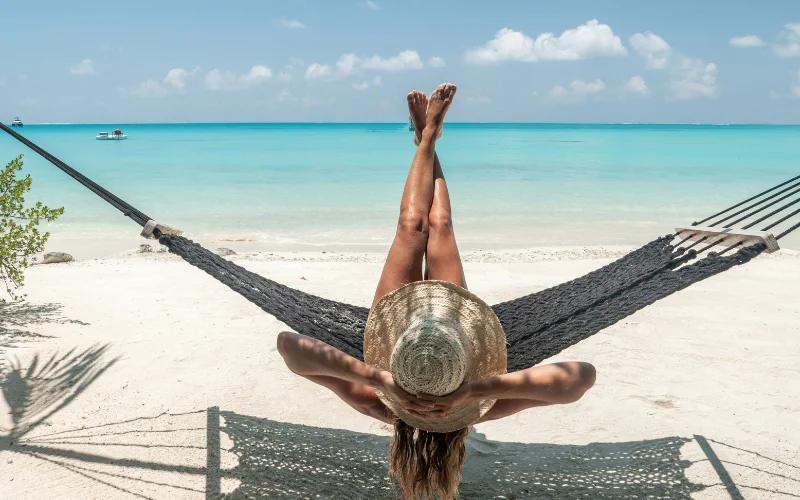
x=117, y=135
x=17, y=122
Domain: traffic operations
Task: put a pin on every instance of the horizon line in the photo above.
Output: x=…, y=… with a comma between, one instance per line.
x=406, y=123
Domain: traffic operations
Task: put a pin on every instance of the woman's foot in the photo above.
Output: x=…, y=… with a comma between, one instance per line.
x=418, y=109
x=438, y=104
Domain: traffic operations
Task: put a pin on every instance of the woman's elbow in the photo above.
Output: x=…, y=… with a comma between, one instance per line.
x=585, y=376
x=287, y=343
x=284, y=338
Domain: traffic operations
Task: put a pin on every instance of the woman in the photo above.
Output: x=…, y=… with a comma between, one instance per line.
x=435, y=359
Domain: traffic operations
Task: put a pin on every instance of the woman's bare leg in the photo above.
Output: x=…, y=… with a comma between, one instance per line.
x=442, y=260
x=404, y=262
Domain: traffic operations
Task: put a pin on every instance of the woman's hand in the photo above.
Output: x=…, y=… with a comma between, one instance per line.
x=409, y=402
x=445, y=404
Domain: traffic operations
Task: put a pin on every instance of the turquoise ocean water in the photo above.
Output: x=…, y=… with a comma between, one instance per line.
x=338, y=186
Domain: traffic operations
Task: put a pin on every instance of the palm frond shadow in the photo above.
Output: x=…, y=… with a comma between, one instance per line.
x=23, y=313
x=47, y=385
x=16, y=319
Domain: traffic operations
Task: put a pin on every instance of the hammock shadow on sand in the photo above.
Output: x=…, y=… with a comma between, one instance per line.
x=281, y=460
x=268, y=459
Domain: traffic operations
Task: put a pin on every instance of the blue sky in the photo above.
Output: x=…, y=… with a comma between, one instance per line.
x=730, y=61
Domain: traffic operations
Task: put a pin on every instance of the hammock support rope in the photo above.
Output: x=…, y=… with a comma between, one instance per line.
x=537, y=326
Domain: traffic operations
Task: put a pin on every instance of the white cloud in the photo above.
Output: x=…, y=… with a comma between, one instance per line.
x=371, y=5
x=586, y=41
x=175, y=81
x=149, y=88
x=790, y=38
x=587, y=88
x=257, y=74
x=228, y=80
x=286, y=96
x=437, y=62
x=652, y=48
x=636, y=85
x=293, y=24
x=690, y=78
x=351, y=64
x=694, y=79
x=288, y=72
x=347, y=63
x=406, y=60
x=316, y=71
x=746, y=41
x=365, y=84
x=578, y=90
x=507, y=45
x=85, y=67
x=590, y=40
x=176, y=78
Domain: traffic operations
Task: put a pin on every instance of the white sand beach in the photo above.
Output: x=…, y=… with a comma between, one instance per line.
x=142, y=377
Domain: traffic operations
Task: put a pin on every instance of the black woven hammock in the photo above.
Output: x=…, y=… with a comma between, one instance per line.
x=538, y=325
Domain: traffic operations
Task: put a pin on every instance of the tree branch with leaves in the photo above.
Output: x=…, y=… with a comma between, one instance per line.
x=20, y=237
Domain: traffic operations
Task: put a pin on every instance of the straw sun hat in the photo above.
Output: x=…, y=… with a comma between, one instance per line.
x=432, y=336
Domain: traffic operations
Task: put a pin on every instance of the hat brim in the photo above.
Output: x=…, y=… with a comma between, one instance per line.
x=393, y=314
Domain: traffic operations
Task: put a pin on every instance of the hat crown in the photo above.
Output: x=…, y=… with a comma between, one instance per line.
x=431, y=356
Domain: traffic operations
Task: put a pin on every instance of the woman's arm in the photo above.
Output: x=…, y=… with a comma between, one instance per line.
x=557, y=383
x=312, y=358
x=306, y=356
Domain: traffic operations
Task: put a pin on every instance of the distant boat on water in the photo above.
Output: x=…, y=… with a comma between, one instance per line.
x=17, y=122
x=117, y=135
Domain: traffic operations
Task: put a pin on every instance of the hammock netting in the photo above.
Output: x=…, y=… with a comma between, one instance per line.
x=538, y=325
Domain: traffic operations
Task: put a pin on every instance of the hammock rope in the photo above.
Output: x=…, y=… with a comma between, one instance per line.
x=126, y=208
x=537, y=326
x=746, y=201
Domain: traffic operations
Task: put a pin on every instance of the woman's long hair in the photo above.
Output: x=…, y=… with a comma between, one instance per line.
x=427, y=463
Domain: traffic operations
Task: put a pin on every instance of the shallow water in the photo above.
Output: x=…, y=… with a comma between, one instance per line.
x=282, y=186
